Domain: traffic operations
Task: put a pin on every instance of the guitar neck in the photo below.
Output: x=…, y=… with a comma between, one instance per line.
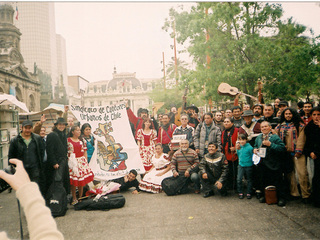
x=254, y=98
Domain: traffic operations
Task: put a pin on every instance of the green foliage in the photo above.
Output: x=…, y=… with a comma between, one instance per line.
x=247, y=41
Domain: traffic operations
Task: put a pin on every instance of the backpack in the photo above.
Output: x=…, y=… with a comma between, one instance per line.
x=175, y=185
x=56, y=197
x=103, y=203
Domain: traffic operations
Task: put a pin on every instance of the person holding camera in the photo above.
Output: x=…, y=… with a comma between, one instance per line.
x=29, y=148
x=41, y=224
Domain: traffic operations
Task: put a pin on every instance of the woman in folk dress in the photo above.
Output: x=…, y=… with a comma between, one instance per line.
x=79, y=170
x=160, y=170
x=146, y=137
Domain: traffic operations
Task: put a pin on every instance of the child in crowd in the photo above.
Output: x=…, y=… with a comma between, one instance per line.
x=245, y=152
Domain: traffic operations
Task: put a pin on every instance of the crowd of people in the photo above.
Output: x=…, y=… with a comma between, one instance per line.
x=257, y=146
x=231, y=150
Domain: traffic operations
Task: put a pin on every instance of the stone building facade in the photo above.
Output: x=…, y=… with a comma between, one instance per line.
x=123, y=86
x=14, y=76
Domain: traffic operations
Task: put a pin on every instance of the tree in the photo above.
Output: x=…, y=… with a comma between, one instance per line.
x=247, y=41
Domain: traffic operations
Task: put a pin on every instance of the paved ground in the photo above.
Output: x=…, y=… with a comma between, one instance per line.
x=190, y=216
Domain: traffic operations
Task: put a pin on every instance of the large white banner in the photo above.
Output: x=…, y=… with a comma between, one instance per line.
x=116, y=151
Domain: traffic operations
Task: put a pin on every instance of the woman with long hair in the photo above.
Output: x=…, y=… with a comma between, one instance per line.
x=80, y=172
x=289, y=130
x=88, y=138
x=146, y=137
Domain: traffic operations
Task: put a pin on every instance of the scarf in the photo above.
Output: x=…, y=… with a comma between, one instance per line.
x=227, y=138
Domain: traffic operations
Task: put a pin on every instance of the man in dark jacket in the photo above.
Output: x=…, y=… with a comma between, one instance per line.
x=312, y=150
x=29, y=148
x=269, y=146
x=213, y=171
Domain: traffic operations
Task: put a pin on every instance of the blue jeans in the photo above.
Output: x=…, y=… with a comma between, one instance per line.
x=241, y=172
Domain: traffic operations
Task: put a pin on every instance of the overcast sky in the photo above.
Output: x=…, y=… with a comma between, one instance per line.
x=101, y=35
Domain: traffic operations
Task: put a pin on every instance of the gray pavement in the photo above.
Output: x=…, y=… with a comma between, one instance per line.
x=190, y=216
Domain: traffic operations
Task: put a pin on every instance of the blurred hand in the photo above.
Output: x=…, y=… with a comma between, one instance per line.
x=219, y=185
x=186, y=174
x=20, y=177
x=176, y=174
x=43, y=118
x=205, y=176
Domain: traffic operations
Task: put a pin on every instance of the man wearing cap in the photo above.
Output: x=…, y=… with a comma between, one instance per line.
x=29, y=148
x=282, y=105
x=57, y=153
x=249, y=128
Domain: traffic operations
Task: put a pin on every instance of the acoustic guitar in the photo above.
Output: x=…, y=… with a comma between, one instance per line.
x=226, y=89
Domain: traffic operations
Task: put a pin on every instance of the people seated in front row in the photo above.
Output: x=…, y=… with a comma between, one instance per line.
x=185, y=162
x=213, y=171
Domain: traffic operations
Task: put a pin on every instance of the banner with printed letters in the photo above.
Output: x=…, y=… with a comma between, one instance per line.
x=116, y=151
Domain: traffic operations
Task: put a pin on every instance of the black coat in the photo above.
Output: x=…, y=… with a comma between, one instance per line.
x=17, y=150
x=312, y=132
x=57, y=151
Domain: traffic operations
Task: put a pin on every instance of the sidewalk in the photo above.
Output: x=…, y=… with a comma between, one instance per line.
x=190, y=216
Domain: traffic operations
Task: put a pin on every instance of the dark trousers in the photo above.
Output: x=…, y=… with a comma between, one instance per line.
x=244, y=171
x=232, y=175
x=209, y=184
x=268, y=177
x=316, y=183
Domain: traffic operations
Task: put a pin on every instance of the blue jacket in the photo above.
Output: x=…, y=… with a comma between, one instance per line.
x=245, y=155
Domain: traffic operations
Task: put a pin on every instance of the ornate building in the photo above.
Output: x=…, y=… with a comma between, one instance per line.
x=14, y=76
x=123, y=86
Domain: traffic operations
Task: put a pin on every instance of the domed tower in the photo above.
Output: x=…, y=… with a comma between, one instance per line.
x=9, y=38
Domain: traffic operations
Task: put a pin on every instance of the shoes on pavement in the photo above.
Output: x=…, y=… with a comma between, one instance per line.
x=281, y=202
x=258, y=194
x=262, y=200
x=241, y=196
x=208, y=194
x=306, y=200
x=249, y=196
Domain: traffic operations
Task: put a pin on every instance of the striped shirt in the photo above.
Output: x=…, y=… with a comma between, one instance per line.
x=186, y=161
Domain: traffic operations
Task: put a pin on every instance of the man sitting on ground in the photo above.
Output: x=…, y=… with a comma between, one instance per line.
x=128, y=181
x=213, y=171
x=185, y=162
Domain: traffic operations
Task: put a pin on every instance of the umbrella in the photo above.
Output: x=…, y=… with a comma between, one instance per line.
x=6, y=99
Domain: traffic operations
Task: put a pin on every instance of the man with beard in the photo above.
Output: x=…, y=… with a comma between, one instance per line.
x=185, y=162
x=249, y=128
x=136, y=122
x=192, y=111
x=289, y=129
x=213, y=171
x=218, y=120
x=307, y=106
x=257, y=112
x=237, y=119
x=269, y=167
x=312, y=150
x=268, y=115
x=165, y=133
x=206, y=132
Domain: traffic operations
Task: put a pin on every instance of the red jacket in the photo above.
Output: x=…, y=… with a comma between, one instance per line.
x=230, y=156
x=163, y=137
